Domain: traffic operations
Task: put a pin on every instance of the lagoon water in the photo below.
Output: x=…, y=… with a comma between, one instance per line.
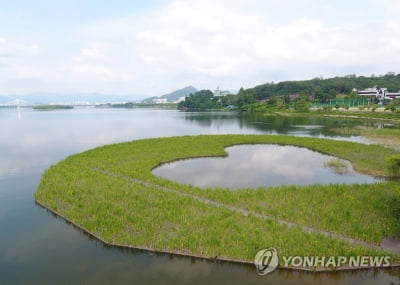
x=253, y=166
x=39, y=248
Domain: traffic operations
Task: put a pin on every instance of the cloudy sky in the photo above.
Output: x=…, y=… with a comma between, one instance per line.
x=156, y=46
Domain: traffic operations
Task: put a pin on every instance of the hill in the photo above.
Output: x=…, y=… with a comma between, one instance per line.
x=175, y=95
x=323, y=89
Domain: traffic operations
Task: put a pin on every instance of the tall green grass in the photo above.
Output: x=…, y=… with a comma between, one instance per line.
x=136, y=214
x=388, y=137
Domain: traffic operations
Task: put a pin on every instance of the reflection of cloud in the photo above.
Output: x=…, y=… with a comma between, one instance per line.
x=291, y=162
x=245, y=165
x=181, y=268
x=206, y=179
x=50, y=236
x=43, y=138
x=258, y=165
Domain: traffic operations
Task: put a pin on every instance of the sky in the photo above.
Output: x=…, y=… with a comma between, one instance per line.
x=152, y=47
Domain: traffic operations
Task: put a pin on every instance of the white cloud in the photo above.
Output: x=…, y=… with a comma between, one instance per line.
x=212, y=42
x=228, y=43
x=91, y=52
x=14, y=49
x=25, y=71
x=16, y=64
x=392, y=6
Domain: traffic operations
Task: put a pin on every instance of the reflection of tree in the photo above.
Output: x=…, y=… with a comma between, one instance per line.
x=391, y=272
x=274, y=123
x=348, y=275
x=279, y=124
x=207, y=119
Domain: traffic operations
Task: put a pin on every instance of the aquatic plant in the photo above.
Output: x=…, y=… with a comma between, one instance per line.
x=111, y=193
x=393, y=163
x=338, y=165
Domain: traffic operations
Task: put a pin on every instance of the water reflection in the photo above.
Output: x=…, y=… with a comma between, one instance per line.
x=102, y=264
x=37, y=248
x=262, y=165
x=280, y=124
x=42, y=138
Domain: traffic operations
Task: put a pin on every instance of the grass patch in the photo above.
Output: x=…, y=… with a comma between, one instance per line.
x=52, y=107
x=365, y=212
x=123, y=211
x=393, y=163
x=388, y=137
x=364, y=115
x=338, y=165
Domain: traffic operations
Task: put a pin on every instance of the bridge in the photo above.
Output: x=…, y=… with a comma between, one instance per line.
x=16, y=103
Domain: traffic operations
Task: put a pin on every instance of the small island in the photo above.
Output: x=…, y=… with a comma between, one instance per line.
x=51, y=107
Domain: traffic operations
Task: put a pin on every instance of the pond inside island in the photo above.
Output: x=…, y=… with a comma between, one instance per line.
x=253, y=166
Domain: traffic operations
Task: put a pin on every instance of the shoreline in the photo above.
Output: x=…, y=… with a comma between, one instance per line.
x=203, y=257
x=340, y=114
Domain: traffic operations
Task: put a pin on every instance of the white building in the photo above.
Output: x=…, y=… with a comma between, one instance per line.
x=220, y=93
x=159, y=101
x=378, y=92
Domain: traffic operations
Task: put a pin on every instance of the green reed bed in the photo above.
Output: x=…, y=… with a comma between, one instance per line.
x=111, y=192
x=367, y=212
x=126, y=213
x=388, y=137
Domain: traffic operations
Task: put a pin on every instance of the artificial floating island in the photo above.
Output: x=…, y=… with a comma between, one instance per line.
x=111, y=193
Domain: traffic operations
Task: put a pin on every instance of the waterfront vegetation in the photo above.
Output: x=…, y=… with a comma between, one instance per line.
x=389, y=137
x=338, y=165
x=201, y=100
x=52, y=107
x=393, y=163
x=110, y=192
x=365, y=114
x=333, y=96
x=323, y=89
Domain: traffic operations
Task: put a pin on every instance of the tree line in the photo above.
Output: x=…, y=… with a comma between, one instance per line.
x=294, y=93
x=323, y=89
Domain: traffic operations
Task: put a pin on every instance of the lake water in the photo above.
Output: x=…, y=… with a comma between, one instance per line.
x=262, y=165
x=38, y=248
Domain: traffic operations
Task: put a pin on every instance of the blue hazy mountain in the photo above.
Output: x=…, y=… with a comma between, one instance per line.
x=92, y=98
x=69, y=98
x=175, y=95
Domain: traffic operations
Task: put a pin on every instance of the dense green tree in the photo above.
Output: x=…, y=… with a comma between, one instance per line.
x=353, y=95
x=201, y=100
x=302, y=106
x=321, y=88
x=286, y=99
x=272, y=102
x=394, y=105
x=285, y=93
x=332, y=94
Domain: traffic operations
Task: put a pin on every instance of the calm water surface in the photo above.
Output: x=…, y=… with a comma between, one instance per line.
x=38, y=248
x=262, y=165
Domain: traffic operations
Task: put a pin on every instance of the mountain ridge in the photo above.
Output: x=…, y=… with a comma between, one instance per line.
x=174, y=95
x=91, y=98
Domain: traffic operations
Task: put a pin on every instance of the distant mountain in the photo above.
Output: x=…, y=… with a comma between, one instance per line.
x=47, y=98
x=5, y=99
x=89, y=98
x=175, y=95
